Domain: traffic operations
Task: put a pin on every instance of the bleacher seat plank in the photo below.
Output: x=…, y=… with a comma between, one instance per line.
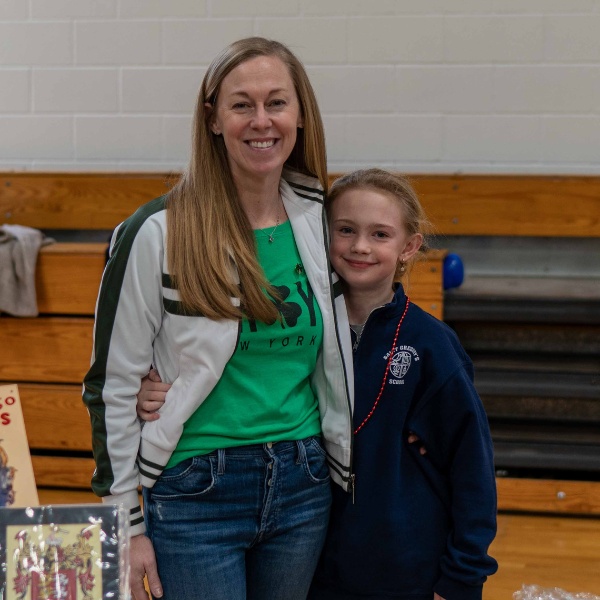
x=510, y=205
x=545, y=495
x=55, y=417
x=456, y=204
x=514, y=495
x=60, y=496
x=59, y=471
x=68, y=277
x=45, y=349
x=76, y=200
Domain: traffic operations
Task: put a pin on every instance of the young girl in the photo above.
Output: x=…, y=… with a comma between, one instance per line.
x=418, y=525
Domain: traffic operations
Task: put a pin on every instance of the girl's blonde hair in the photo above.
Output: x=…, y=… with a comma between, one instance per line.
x=208, y=233
x=398, y=186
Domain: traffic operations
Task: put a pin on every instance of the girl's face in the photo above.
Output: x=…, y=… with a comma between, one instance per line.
x=368, y=239
x=258, y=114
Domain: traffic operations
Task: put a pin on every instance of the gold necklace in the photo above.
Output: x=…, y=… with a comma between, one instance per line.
x=271, y=235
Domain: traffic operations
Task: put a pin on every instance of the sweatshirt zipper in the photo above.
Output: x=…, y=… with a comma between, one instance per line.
x=352, y=482
x=358, y=337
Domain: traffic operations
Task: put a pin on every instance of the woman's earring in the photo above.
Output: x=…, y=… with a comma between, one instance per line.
x=402, y=267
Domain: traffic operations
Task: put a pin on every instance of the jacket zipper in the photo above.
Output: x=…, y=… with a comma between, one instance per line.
x=351, y=476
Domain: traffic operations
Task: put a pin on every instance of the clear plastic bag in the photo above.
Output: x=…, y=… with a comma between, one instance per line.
x=535, y=592
x=64, y=552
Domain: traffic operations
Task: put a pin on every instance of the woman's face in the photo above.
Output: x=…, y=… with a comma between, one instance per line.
x=257, y=113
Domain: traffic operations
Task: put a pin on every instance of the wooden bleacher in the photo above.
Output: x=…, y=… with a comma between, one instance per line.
x=48, y=355
x=532, y=207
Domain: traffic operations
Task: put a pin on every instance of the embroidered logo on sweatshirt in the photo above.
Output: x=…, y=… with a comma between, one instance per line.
x=400, y=364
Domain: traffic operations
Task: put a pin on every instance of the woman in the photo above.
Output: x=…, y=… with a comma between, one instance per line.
x=224, y=285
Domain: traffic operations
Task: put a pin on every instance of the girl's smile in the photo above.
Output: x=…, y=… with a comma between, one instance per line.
x=368, y=239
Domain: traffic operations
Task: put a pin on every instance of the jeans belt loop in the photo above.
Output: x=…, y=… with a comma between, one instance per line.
x=220, y=461
x=301, y=452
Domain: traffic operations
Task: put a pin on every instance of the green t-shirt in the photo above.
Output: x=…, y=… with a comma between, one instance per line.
x=264, y=394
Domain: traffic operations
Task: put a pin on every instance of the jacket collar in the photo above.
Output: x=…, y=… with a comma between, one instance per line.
x=304, y=186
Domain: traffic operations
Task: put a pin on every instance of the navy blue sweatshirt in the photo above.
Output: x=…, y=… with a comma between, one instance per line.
x=418, y=524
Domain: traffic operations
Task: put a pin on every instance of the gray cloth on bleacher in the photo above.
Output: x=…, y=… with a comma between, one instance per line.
x=19, y=247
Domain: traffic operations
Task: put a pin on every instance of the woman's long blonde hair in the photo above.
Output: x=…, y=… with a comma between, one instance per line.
x=398, y=186
x=208, y=233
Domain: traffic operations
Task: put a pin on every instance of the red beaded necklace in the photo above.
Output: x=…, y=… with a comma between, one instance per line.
x=387, y=369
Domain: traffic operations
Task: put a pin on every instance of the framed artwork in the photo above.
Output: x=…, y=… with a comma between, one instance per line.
x=69, y=552
x=17, y=483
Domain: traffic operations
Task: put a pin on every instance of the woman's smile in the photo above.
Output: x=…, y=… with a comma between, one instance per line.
x=258, y=115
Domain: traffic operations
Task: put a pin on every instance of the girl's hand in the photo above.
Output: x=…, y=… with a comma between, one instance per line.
x=413, y=438
x=151, y=396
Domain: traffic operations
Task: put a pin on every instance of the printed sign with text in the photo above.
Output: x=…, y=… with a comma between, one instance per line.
x=17, y=483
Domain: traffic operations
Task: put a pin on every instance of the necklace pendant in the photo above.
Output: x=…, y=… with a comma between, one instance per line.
x=271, y=239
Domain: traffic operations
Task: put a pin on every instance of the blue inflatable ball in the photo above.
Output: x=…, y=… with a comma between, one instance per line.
x=454, y=271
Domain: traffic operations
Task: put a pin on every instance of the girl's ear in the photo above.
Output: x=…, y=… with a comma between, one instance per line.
x=209, y=113
x=411, y=248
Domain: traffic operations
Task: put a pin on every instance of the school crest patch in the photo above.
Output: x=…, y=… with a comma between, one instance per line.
x=402, y=359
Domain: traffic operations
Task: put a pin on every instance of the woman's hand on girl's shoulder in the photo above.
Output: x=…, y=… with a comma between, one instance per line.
x=151, y=396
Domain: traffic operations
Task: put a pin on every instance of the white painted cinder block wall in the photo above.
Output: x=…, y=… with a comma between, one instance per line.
x=416, y=85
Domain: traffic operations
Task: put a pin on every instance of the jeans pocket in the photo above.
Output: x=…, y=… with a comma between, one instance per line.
x=190, y=478
x=315, y=460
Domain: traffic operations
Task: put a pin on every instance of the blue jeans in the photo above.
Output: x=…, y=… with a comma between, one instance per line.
x=241, y=523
